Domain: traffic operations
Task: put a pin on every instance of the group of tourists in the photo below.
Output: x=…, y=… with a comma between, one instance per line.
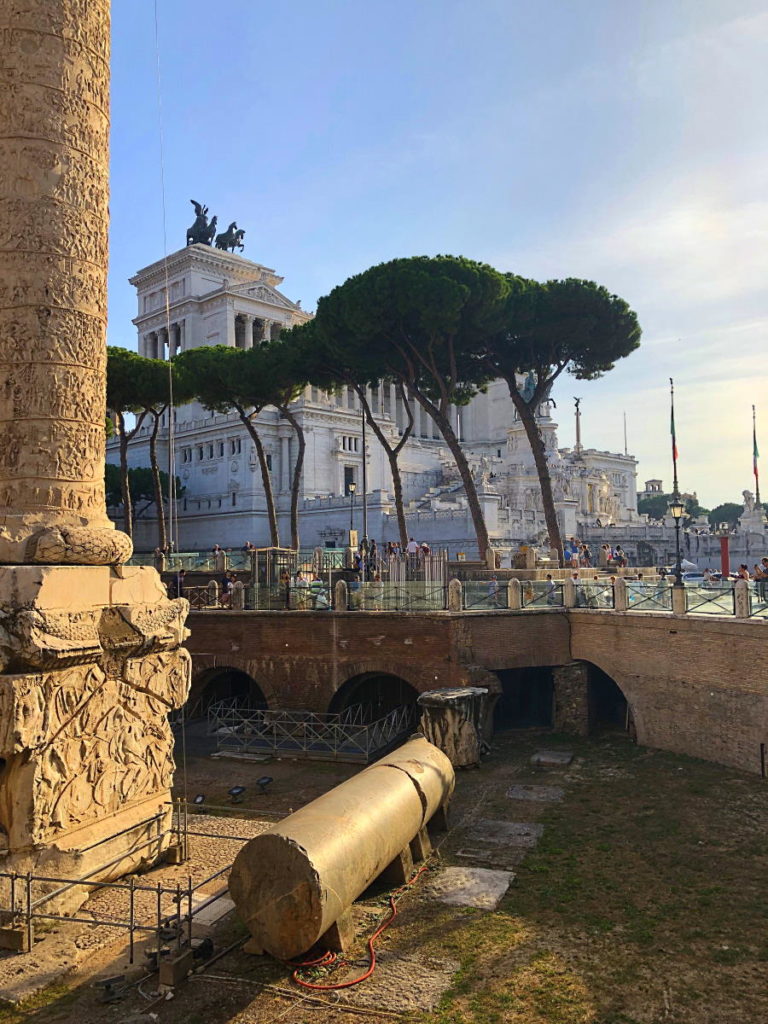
x=578, y=555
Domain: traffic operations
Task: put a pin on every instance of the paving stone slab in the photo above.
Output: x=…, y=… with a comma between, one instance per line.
x=539, y=794
x=552, y=758
x=401, y=983
x=507, y=833
x=471, y=887
x=493, y=857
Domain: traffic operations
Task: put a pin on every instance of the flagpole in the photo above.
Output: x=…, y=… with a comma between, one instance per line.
x=675, y=489
x=755, y=457
x=676, y=507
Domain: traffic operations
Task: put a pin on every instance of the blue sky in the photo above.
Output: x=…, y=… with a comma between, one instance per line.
x=621, y=141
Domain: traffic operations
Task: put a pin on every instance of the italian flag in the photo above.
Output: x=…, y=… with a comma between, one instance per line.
x=674, y=436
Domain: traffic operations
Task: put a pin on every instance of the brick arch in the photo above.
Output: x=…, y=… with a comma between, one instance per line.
x=205, y=667
x=627, y=683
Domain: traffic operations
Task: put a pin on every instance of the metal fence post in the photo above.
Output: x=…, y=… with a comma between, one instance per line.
x=131, y=916
x=29, y=911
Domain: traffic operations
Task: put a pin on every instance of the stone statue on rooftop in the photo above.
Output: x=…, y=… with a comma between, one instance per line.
x=232, y=238
x=201, y=232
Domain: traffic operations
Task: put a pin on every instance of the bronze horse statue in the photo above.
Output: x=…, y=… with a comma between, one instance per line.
x=201, y=231
x=232, y=238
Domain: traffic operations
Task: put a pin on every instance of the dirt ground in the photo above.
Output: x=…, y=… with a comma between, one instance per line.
x=645, y=900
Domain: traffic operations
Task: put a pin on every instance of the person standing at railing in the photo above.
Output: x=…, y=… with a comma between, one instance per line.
x=181, y=576
x=493, y=592
x=551, y=589
x=761, y=577
x=377, y=592
x=355, y=593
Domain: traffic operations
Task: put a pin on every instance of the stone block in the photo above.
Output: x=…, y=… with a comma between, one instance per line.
x=482, y=888
x=538, y=794
x=552, y=758
x=174, y=970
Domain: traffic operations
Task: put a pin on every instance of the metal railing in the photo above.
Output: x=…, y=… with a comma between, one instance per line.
x=304, y=734
x=483, y=595
x=167, y=912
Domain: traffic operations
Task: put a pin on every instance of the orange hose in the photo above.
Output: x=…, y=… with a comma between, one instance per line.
x=371, y=949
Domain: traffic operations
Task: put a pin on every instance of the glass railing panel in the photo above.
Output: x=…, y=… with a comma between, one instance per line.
x=649, y=596
x=541, y=594
x=485, y=595
x=715, y=598
x=594, y=594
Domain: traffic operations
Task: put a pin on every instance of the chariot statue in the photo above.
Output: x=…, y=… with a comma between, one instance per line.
x=201, y=232
x=232, y=238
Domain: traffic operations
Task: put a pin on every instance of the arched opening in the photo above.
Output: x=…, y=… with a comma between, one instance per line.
x=608, y=707
x=527, y=698
x=217, y=684
x=377, y=693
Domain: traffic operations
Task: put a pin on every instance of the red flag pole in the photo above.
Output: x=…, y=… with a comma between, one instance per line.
x=675, y=489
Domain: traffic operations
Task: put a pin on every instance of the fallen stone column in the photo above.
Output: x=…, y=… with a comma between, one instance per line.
x=295, y=881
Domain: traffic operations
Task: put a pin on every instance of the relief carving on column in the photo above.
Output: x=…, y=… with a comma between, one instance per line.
x=54, y=135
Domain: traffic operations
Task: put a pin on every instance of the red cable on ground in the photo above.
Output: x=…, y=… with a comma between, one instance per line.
x=322, y=961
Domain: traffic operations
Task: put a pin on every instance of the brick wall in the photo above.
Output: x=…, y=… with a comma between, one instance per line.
x=697, y=686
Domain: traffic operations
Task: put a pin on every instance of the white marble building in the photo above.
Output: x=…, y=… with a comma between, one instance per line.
x=219, y=298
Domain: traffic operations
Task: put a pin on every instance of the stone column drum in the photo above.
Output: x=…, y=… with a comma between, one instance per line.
x=90, y=655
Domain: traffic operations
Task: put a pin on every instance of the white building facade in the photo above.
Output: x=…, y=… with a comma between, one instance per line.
x=217, y=298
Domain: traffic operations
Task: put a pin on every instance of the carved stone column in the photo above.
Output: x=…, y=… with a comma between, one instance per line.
x=54, y=129
x=90, y=656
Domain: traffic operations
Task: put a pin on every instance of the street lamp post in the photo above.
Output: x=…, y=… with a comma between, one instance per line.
x=352, y=489
x=677, y=511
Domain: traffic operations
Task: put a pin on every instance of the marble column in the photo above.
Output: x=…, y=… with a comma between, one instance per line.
x=267, y=330
x=248, y=330
x=53, y=248
x=90, y=658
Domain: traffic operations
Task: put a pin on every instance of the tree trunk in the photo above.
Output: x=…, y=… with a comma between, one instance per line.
x=162, y=536
x=125, y=486
x=392, y=457
x=266, y=479
x=445, y=428
x=296, y=478
x=536, y=441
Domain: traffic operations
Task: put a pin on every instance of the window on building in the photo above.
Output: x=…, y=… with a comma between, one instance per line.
x=349, y=478
x=221, y=449
x=269, y=462
x=185, y=504
x=234, y=446
x=200, y=453
x=234, y=498
x=210, y=451
x=498, y=453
